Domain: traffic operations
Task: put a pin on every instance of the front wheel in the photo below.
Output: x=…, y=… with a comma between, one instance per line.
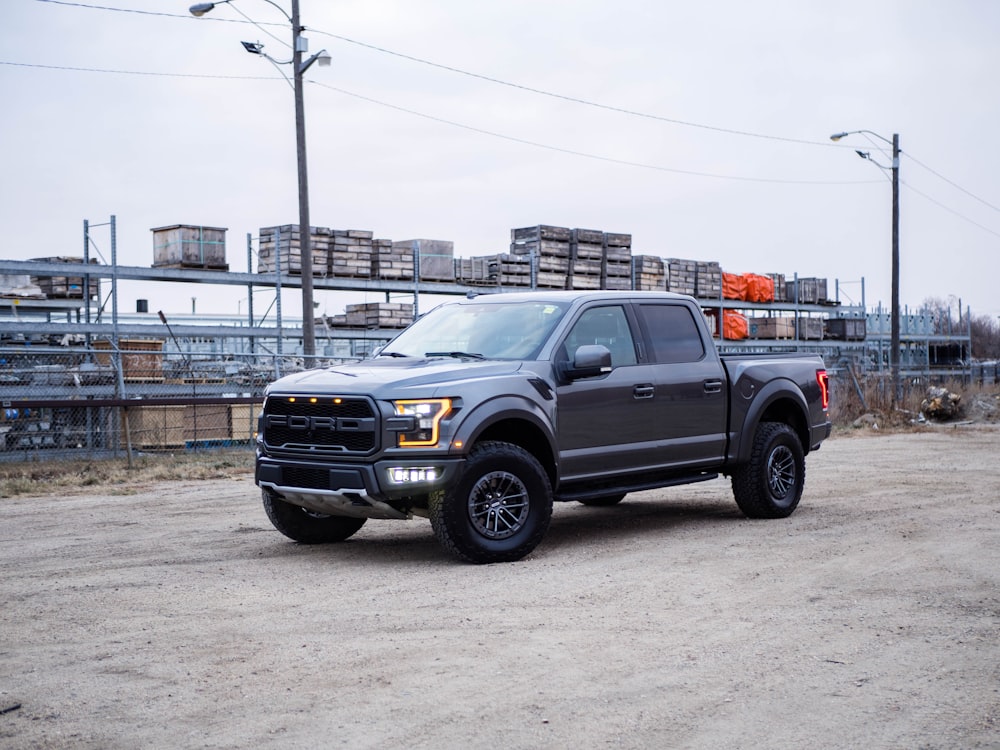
x=307, y=526
x=770, y=484
x=498, y=510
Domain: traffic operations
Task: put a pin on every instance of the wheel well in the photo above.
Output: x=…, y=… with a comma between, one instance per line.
x=526, y=435
x=787, y=411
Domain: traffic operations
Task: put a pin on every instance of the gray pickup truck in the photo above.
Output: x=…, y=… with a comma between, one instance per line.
x=486, y=410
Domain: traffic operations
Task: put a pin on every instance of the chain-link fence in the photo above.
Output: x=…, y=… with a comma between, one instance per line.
x=101, y=400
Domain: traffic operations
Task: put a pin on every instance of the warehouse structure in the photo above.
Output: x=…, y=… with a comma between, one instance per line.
x=79, y=373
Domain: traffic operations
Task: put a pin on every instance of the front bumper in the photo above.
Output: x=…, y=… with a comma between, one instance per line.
x=356, y=490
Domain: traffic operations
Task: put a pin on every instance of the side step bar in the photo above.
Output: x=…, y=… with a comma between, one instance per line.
x=589, y=491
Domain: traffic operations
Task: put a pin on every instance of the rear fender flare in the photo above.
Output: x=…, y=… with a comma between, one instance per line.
x=772, y=393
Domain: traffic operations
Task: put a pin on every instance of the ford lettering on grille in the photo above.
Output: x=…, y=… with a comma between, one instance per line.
x=343, y=426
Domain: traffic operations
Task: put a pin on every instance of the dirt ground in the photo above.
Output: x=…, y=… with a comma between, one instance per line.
x=177, y=617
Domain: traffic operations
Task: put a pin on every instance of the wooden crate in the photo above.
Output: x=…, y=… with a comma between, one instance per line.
x=811, y=328
x=189, y=246
x=846, y=329
x=772, y=328
x=68, y=287
x=158, y=427
x=142, y=359
x=154, y=427
x=540, y=232
x=204, y=422
x=243, y=421
x=437, y=257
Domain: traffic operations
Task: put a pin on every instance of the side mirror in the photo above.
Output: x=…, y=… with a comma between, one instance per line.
x=588, y=361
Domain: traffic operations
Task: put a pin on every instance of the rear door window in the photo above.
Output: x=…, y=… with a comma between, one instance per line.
x=672, y=332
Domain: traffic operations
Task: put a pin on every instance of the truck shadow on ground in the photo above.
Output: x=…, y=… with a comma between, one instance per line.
x=390, y=542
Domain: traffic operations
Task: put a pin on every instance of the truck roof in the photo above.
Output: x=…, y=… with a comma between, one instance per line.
x=558, y=295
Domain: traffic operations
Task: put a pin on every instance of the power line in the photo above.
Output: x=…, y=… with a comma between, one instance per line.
x=135, y=72
x=521, y=87
x=584, y=154
x=953, y=184
x=949, y=210
x=488, y=79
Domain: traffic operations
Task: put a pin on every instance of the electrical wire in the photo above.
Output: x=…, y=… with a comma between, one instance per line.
x=949, y=210
x=955, y=185
x=135, y=72
x=529, y=89
x=452, y=123
x=584, y=154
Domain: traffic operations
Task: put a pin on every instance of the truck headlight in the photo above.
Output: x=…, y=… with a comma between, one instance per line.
x=428, y=414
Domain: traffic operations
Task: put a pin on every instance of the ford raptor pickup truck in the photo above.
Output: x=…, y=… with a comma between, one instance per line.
x=488, y=409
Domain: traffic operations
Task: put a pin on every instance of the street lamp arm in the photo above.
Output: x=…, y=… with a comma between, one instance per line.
x=838, y=136
x=200, y=9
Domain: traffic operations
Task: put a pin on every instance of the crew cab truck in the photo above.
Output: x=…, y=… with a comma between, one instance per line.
x=488, y=409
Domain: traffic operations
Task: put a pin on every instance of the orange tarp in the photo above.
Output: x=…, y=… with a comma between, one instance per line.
x=734, y=286
x=734, y=325
x=759, y=288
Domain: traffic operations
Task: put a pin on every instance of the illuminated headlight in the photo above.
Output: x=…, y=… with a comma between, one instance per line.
x=428, y=413
x=407, y=475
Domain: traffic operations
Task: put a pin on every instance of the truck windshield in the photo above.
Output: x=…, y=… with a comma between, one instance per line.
x=512, y=330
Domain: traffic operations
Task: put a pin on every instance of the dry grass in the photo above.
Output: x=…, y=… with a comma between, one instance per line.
x=113, y=476
x=980, y=403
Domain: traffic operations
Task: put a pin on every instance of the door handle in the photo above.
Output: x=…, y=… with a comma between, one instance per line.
x=713, y=386
x=643, y=391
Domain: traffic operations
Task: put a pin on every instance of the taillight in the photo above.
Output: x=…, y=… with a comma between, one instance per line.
x=824, y=387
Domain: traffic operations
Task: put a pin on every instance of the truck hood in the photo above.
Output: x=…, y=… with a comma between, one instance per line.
x=376, y=377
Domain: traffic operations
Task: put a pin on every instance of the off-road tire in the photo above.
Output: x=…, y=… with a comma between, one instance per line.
x=498, y=510
x=307, y=526
x=770, y=484
x=603, y=502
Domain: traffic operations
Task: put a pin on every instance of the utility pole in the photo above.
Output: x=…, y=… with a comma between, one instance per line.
x=305, y=239
x=897, y=391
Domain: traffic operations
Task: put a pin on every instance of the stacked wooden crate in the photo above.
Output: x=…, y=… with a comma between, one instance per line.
x=474, y=271
x=69, y=287
x=551, y=246
x=436, y=257
x=616, y=272
x=508, y=269
x=586, y=252
x=709, y=280
x=575, y=258
x=681, y=276
x=780, y=287
x=648, y=273
x=390, y=262
x=373, y=315
x=807, y=291
x=281, y=247
x=350, y=254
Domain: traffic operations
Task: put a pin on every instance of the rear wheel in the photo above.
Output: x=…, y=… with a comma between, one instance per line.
x=307, y=526
x=498, y=510
x=770, y=484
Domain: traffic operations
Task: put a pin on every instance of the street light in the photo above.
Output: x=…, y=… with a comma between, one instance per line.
x=299, y=45
x=894, y=351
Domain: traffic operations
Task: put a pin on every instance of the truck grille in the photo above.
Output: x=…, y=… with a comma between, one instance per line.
x=326, y=424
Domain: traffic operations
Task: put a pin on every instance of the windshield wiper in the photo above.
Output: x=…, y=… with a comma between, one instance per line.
x=391, y=354
x=456, y=355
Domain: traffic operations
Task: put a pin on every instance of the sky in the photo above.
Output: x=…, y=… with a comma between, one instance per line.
x=701, y=129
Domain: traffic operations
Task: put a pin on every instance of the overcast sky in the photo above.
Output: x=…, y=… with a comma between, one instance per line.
x=723, y=154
